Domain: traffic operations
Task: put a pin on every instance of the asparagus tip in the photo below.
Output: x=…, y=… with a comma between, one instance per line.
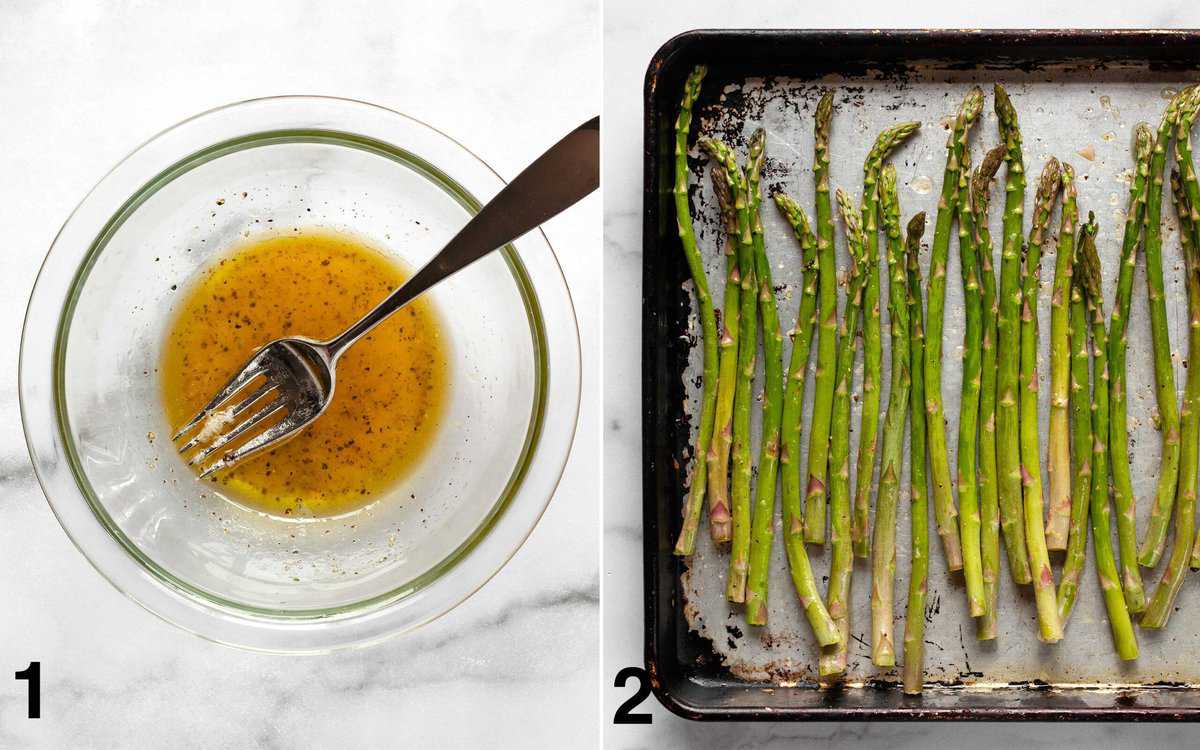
x=1087, y=260
x=1050, y=180
x=987, y=170
x=1004, y=107
x=915, y=230
x=1143, y=142
x=972, y=103
x=721, y=188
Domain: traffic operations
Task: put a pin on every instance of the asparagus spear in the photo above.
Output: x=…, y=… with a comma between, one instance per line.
x=914, y=614
x=1164, y=376
x=793, y=402
x=1191, y=187
x=833, y=659
x=1058, y=450
x=1163, y=598
x=1081, y=441
x=989, y=508
x=939, y=462
x=968, y=415
x=1106, y=567
x=1050, y=629
x=719, y=520
x=797, y=374
x=1189, y=107
x=887, y=141
x=1008, y=333
x=762, y=535
x=694, y=506
x=735, y=589
x=1118, y=338
x=819, y=438
x=883, y=541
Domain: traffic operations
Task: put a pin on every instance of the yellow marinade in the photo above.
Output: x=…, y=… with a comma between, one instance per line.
x=391, y=385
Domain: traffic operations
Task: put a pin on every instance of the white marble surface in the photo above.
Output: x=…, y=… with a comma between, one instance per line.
x=84, y=82
x=633, y=30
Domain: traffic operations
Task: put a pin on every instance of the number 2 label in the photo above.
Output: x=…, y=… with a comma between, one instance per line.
x=625, y=714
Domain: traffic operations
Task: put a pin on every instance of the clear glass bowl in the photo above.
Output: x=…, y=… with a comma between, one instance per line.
x=92, y=410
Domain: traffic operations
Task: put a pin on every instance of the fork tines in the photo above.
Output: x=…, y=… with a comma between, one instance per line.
x=215, y=427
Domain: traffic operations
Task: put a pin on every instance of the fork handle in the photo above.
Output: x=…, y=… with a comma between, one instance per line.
x=559, y=178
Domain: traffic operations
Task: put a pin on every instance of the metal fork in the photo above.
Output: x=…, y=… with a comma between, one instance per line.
x=295, y=376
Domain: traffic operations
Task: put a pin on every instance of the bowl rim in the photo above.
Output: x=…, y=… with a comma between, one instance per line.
x=190, y=607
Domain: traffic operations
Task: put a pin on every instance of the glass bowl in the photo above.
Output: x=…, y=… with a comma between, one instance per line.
x=98, y=435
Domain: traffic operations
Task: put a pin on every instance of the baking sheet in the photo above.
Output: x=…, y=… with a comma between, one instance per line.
x=1063, y=111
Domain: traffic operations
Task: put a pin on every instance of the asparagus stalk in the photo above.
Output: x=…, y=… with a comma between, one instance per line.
x=1187, y=169
x=1050, y=629
x=694, y=506
x=1188, y=109
x=939, y=462
x=797, y=374
x=762, y=535
x=989, y=507
x=1163, y=599
x=743, y=400
x=1155, y=539
x=1118, y=339
x=793, y=402
x=883, y=541
x=914, y=614
x=968, y=415
x=1008, y=334
x=1106, y=566
x=719, y=520
x=1058, y=450
x=833, y=659
x=868, y=435
x=1081, y=441
x=819, y=437
x=735, y=589
x=1191, y=189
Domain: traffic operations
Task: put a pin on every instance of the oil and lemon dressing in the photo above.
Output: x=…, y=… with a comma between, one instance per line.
x=391, y=385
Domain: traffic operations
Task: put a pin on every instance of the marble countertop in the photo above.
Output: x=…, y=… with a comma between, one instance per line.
x=84, y=83
x=633, y=31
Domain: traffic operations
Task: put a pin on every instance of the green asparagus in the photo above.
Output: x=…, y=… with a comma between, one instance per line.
x=719, y=520
x=762, y=527
x=1058, y=450
x=1192, y=189
x=1008, y=334
x=1080, y=403
x=694, y=506
x=887, y=141
x=1187, y=174
x=989, y=501
x=914, y=613
x=968, y=415
x=1050, y=629
x=735, y=589
x=819, y=437
x=1155, y=538
x=803, y=580
x=1162, y=600
x=883, y=540
x=1119, y=623
x=939, y=462
x=1118, y=339
x=833, y=659
x=797, y=374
